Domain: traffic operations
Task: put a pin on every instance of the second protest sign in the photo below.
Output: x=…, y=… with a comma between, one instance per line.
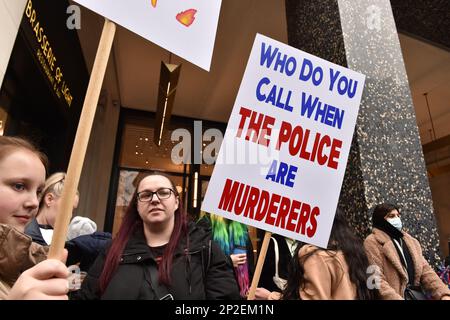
x=283, y=158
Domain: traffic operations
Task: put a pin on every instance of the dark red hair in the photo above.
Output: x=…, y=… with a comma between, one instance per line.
x=132, y=222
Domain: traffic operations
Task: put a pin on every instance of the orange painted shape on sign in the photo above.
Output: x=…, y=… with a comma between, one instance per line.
x=154, y=3
x=187, y=17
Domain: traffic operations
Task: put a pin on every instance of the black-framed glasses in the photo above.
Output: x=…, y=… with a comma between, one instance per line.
x=162, y=193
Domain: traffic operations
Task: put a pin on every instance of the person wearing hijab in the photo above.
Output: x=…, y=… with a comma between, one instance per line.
x=399, y=258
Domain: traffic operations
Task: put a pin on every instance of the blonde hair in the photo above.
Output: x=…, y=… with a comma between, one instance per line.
x=54, y=185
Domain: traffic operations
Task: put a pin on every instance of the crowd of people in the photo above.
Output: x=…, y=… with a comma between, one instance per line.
x=158, y=254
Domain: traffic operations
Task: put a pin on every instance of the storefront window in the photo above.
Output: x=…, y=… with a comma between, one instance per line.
x=139, y=153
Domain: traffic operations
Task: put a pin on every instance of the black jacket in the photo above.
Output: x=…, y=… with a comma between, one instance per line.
x=86, y=248
x=268, y=270
x=32, y=229
x=131, y=281
x=205, y=221
x=82, y=249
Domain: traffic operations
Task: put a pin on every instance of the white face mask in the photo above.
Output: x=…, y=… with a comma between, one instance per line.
x=396, y=222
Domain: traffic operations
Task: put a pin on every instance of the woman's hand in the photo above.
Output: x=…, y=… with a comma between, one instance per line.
x=445, y=298
x=238, y=259
x=262, y=294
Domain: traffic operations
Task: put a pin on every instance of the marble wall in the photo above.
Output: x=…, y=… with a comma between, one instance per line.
x=386, y=160
x=428, y=20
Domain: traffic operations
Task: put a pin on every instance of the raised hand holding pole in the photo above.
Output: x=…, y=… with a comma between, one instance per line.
x=259, y=265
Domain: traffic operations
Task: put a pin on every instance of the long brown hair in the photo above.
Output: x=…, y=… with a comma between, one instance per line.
x=132, y=222
x=341, y=238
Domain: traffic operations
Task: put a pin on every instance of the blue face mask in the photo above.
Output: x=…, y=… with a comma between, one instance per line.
x=396, y=222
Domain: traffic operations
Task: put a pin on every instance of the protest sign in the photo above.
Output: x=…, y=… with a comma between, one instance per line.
x=185, y=28
x=283, y=158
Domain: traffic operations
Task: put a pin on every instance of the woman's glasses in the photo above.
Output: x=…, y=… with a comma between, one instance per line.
x=146, y=196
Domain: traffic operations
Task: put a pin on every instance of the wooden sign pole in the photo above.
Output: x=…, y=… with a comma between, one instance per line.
x=259, y=265
x=82, y=140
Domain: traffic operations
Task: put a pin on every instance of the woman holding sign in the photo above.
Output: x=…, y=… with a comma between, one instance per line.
x=22, y=176
x=403, y=271
x=157, y=254
x=335, y=273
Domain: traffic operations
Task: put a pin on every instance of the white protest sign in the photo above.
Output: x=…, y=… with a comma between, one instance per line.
x=283, y=158
x=187, y=28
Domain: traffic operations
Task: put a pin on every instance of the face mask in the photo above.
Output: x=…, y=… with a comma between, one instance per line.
x=396, y=222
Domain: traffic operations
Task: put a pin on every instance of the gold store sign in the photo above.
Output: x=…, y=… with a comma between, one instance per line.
x=47, y=58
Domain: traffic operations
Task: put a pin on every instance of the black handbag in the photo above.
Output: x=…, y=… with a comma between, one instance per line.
x=414, y=293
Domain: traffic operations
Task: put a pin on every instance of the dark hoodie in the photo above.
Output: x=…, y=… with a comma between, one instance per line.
x=33, y=230
x=82, y=250
x=131, y=281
